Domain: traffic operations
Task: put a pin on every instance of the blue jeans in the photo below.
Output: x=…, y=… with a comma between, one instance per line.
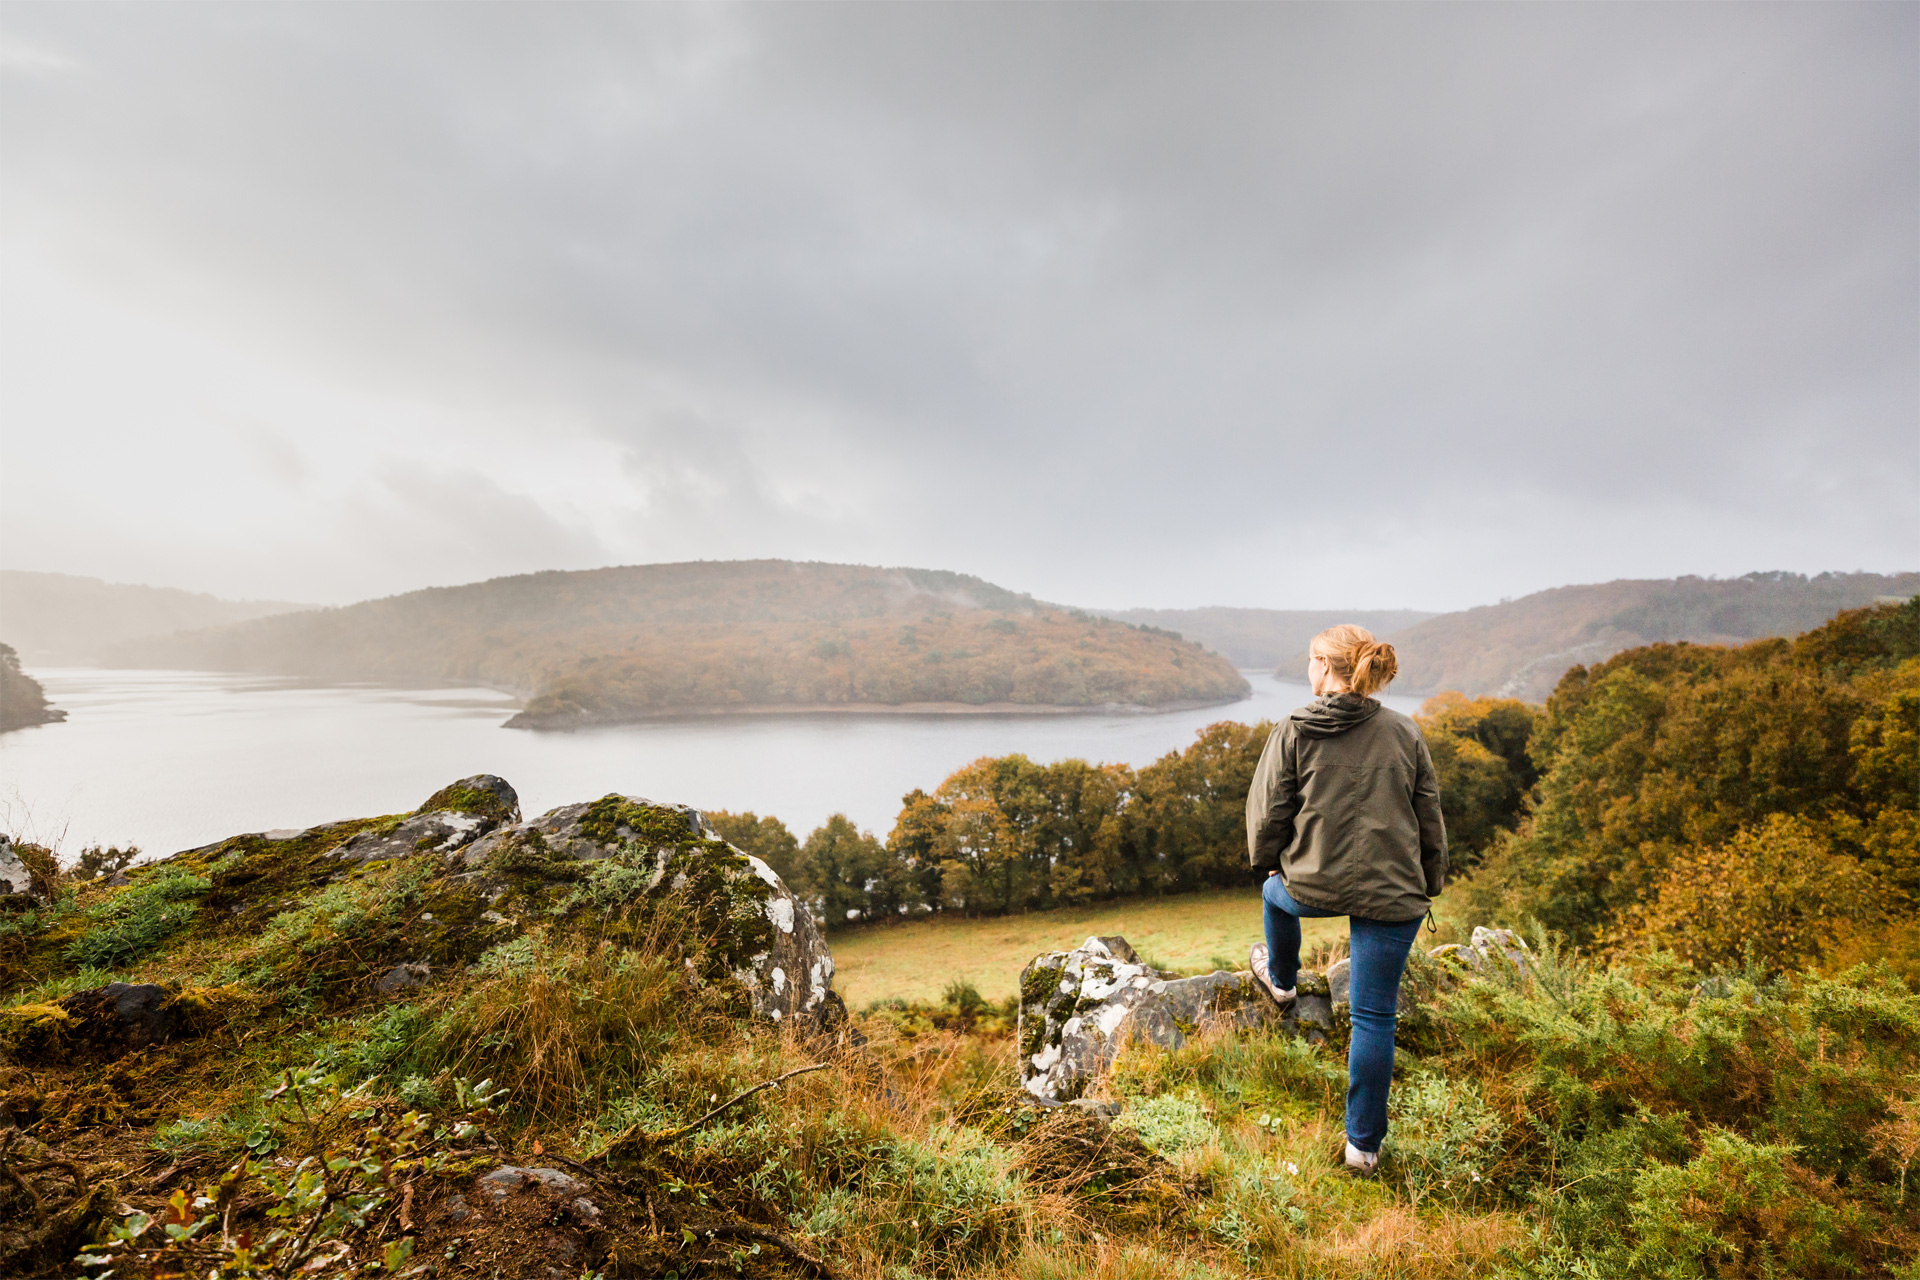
x=1379, y=950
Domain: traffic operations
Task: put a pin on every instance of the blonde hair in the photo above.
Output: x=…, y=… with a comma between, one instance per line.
x=1364, y=665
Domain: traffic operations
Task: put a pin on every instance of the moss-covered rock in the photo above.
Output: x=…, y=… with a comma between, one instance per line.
x=482, y=796
x=618, y=863
x=318, y=919
x=104, y=1023
x=1077, y=1008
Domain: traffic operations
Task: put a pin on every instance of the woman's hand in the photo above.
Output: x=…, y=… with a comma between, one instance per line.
x=1272, y=873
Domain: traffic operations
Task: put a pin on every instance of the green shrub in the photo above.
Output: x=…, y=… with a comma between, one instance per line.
x=1631, y=1099
x=1445, y=1138
x=137, y=919
x=1169, y=1125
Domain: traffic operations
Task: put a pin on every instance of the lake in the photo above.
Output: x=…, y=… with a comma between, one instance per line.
x=169, y=760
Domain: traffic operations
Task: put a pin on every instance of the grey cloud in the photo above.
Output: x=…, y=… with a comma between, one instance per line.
x=1110, y=303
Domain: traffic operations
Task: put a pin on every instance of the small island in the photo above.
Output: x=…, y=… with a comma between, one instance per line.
x=613, y=646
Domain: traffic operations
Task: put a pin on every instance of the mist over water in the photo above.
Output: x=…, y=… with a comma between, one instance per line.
x=169, y=760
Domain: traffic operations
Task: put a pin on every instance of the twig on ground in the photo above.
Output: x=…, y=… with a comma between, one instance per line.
x=742, y=1231
x=658, y=1141
x=13, y=1136
x=175, y=1171
x=39, y=1209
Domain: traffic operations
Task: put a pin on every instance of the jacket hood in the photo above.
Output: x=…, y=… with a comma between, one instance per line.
x=1333, y=715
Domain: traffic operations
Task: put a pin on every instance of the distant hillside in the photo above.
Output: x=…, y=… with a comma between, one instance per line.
x=1263, y=637
x=610, y=645
x=60, y=618
x=1522, y=648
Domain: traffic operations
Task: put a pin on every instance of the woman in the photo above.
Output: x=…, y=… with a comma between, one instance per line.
x=1344, y=816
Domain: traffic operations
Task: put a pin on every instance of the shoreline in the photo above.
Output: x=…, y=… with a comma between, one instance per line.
x=571, y=722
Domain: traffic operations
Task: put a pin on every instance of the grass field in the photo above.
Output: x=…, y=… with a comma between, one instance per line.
x=916, y=959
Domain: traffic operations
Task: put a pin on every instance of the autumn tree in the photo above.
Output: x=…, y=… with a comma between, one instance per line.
x=1480, y=753
x=765, y=838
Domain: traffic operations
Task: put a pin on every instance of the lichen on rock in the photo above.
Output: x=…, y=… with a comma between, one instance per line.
x=1079, y=1007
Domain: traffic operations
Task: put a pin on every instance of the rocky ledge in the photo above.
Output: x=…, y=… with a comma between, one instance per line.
x=1079, y=1008
x=624, y=869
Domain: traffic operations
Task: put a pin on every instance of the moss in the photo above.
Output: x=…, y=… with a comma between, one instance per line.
x=1031, y=1029
x=614, y=819
x=32, y=1031
x=84, y=1026
x=528, y=860
x=326, y=949
x=1038, y=985
x=481, y=802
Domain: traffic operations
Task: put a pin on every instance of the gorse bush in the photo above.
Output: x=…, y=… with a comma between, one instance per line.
x=1622, y=1095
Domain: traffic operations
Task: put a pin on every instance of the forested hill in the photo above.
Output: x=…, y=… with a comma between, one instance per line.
x=1264, y=637
x=607, y=645
x=1521, y=648
x=62, y=618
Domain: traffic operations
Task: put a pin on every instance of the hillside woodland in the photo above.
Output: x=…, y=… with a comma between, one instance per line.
x=1521, y=648
x=1756, y=804
x=61, y=618
x=1261, y=638
x=1008, y=834
x=610, y=645
x=23, y=703
x=341, y=1067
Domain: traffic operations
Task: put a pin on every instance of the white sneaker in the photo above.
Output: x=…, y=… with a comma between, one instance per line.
x=1257, y=959
x=1362, y=1161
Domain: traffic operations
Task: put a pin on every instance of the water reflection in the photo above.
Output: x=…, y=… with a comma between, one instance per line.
x=173, y=759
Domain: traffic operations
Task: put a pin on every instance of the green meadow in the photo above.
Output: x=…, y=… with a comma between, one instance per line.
x=915, y=960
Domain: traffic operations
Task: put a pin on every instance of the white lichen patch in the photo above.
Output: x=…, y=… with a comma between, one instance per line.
x=779, y=980
x=1110, y=1018
x=780, y=911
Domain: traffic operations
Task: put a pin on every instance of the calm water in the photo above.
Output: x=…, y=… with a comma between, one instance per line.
x=172, y=759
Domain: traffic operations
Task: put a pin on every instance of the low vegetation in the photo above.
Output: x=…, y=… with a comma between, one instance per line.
x=1573, y=1120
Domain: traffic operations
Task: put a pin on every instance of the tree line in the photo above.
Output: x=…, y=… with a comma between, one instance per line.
x=1007, y=833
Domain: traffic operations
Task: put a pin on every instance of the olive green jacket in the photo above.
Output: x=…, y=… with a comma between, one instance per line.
x=1346, y=805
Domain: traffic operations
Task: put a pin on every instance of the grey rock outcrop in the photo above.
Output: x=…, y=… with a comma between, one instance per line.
x=1079, y=1007
x=783, y=959
x=650, y=872
x=403, y=977
x=550, y=1186
x=452, y=818
x=14, y=876
x=508, y=1179
x=1487, y=947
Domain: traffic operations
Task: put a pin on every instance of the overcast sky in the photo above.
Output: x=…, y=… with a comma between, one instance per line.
x=1274, y=305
